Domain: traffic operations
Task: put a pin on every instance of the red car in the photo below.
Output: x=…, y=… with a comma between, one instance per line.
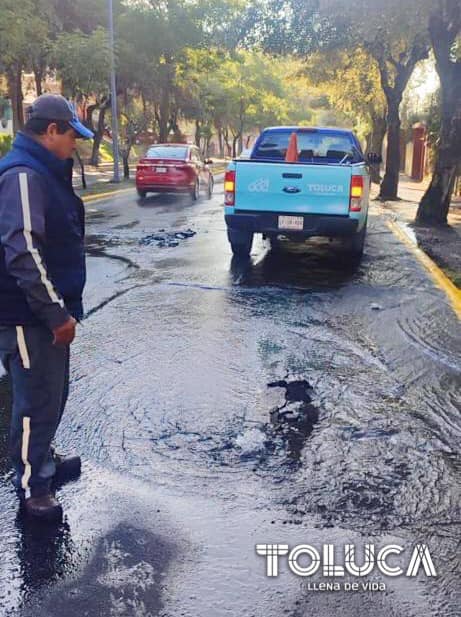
x=174, y=168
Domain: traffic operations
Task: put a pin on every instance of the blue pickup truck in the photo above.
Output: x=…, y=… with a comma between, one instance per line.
x=299, y=182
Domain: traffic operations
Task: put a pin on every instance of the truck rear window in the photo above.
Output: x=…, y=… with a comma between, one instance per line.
x=313, y=146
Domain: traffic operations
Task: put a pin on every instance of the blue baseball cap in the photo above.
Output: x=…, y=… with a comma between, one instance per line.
x=56, y=107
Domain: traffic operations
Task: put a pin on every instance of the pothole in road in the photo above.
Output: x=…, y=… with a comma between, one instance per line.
x=290, y=425
x=261, y=446
x=296, y=418
x=166, y=239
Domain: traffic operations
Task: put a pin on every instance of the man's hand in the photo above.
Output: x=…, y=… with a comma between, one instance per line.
x=65, y=334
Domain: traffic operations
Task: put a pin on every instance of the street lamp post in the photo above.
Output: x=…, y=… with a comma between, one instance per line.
x=113, y=95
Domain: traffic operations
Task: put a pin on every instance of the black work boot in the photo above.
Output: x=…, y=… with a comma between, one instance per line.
x=45, y=508
x=67, y=468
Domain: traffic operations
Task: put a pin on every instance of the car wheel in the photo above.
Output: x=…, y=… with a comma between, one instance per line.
x=355, y=244
x=240, y=241
x=210, y=188
x=141, y=194
x=196, y=191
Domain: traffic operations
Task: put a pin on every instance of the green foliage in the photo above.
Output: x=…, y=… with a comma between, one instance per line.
x=240, y=92
x=106, y=152
x=83, y=62
x=5, y=144
x=350, y=83
x=203, y=60
x=84, y=15
x=21, y=28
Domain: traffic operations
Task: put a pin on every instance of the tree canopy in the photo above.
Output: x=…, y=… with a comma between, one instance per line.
x=231, y=66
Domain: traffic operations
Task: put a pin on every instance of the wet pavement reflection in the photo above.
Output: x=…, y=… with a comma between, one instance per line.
x=293, y=397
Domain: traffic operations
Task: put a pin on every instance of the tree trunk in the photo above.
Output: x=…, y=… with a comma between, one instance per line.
x=375, y=143
x=14, y=76
x=393, y=88
x=163, y=116
x=227, y=142
x=126, y=163
x=198, y=131
x=433, y=207
x=390, y=183
x=173, y=126
x=89, y=116
x=164, y=107
x=38, y=76
x=99, y=133
x=82, y=168
x=242, y=127
x=235, y=142
x=220, y=142
x=444, y=26
x=207, y=146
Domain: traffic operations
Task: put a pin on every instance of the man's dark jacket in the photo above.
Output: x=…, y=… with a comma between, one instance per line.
x=42, y=261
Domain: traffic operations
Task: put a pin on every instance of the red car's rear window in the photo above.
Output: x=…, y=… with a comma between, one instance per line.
x=167, y=152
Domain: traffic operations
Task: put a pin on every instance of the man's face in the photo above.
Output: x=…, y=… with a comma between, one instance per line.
x=61, y=145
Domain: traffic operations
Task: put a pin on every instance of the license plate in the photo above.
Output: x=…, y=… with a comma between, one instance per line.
x=291, y=222
x=161, y=170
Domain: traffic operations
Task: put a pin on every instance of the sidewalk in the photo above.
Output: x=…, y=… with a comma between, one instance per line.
x=443, y=245
x=93, y=175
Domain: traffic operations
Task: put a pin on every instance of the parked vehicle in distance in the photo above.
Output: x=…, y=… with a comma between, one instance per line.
x=299, y=182
x=174, y=168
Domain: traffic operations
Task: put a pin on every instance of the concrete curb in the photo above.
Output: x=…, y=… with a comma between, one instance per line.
x=405, y=234
x=91, y=198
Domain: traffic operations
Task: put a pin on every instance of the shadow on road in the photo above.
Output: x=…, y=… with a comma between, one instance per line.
x=312, y=265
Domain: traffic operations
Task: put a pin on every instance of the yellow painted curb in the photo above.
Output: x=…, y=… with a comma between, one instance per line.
x=91, y=198
x=437, y=275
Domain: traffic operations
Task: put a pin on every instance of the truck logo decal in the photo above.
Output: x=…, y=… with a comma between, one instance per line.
x=326, y=188
x=259, y=186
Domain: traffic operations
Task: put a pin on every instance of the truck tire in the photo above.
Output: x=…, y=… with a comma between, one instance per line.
x=354, y=244
x=141, y=193
x=240, y=241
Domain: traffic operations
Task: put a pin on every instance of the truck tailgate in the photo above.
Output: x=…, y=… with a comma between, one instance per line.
x=292, y=188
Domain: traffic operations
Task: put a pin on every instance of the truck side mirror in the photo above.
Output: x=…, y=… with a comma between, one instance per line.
x=374, y=159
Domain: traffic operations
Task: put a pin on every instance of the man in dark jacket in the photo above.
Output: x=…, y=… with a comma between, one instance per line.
x=42, y=275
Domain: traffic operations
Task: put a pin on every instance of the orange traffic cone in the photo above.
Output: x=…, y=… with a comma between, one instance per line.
x=292, y=151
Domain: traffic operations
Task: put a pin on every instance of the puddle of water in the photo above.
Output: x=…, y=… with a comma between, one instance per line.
x=129, y=549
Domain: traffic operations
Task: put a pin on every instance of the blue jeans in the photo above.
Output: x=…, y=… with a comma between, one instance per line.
x=39, y=373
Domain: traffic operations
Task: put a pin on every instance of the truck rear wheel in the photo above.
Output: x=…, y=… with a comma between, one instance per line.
x=240, y=241
x=354, y=244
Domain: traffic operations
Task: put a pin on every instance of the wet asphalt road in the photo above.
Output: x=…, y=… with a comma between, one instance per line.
x=295, y=398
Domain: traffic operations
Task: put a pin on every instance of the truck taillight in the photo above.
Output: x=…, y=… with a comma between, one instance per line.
x=355, y=204
x=229, y=188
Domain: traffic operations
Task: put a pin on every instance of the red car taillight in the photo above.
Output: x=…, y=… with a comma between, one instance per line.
x=356, y=194
x=229, y=188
